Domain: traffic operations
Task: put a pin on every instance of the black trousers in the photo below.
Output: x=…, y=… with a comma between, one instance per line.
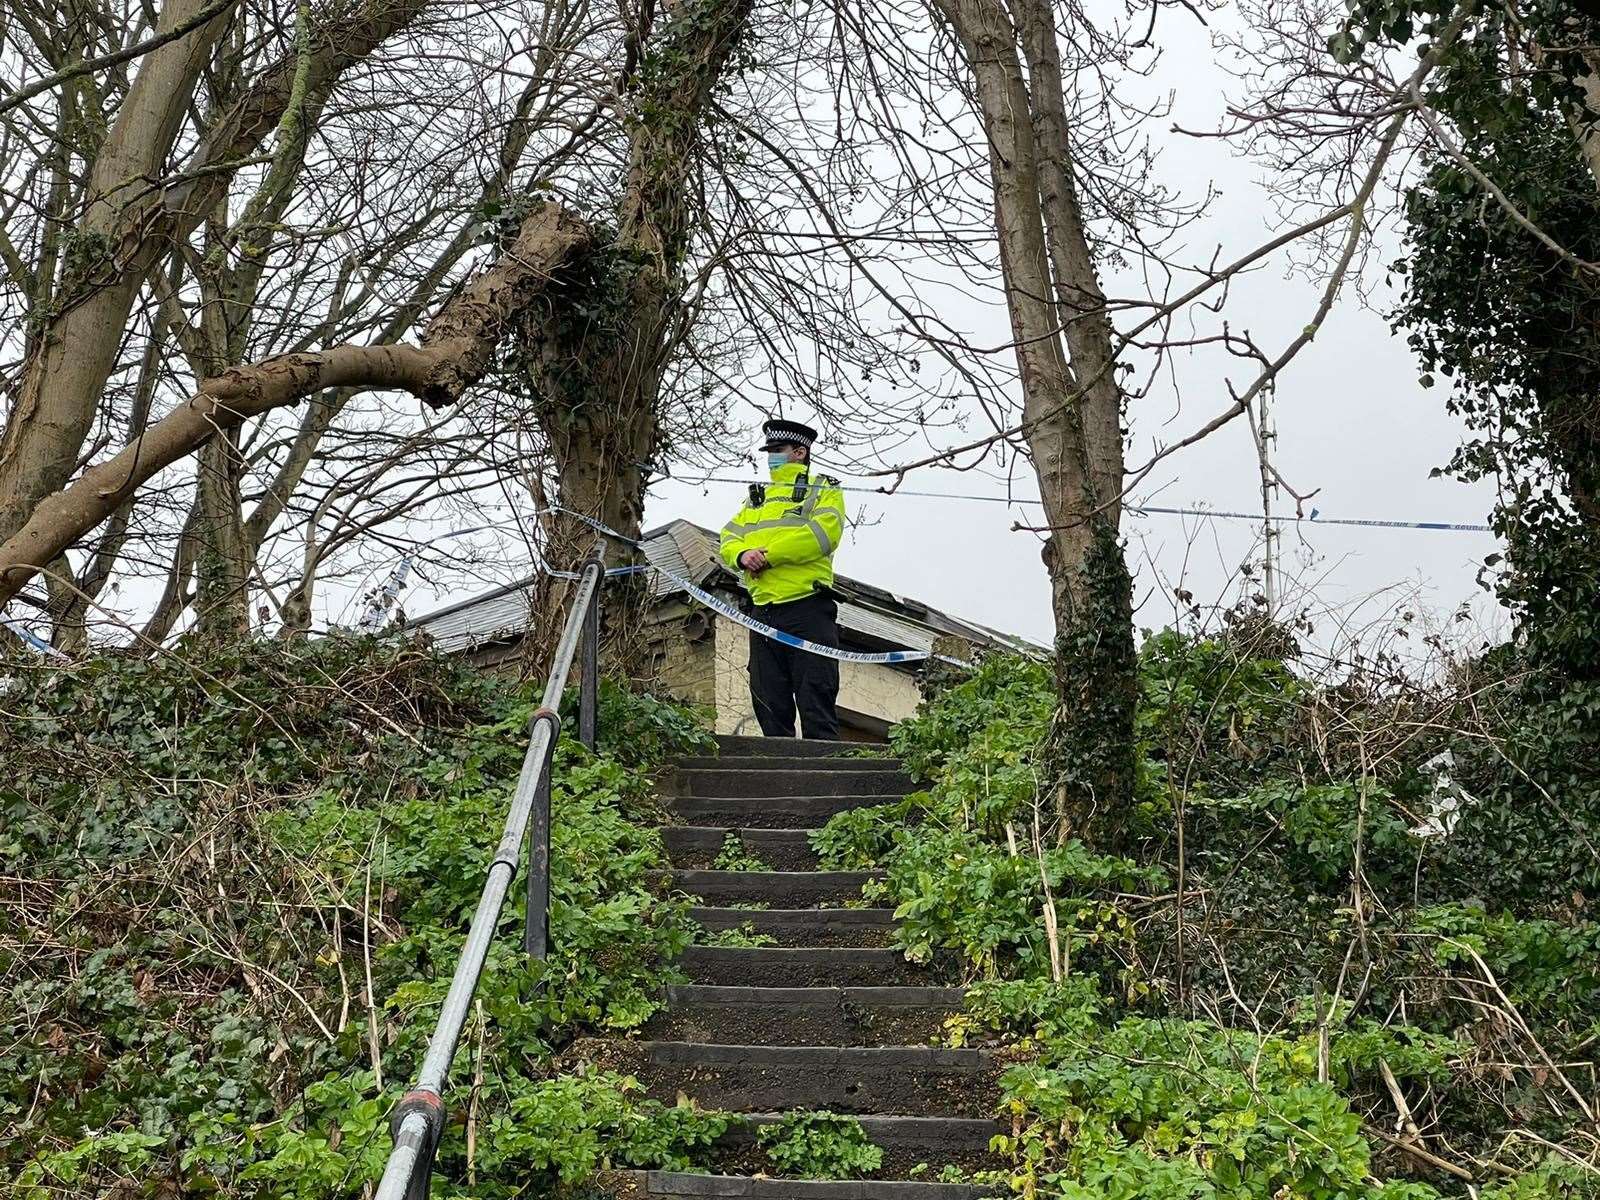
x=783, y=678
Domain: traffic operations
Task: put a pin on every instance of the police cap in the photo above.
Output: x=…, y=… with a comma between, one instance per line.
x=777, y=434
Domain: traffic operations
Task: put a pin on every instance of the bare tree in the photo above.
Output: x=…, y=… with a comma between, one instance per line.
x=457, y=349
x=130, y=210
x=1072, y=405
x=344, y=217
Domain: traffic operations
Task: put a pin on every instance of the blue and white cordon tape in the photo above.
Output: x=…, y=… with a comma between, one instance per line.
x=739, y=616
x=32, y=639
x=1313, y=519
x=734, y=613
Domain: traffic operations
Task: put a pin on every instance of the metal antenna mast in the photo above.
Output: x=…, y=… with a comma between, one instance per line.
x=1262, y=431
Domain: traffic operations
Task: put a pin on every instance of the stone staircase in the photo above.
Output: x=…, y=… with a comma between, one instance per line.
x=827, y=1017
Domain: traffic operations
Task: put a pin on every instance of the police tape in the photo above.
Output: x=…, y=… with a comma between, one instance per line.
x=32, y=639
x=737, y=615
x=1315, y=518
x=611, y=572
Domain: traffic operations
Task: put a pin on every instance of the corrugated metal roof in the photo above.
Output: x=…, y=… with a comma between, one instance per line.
x=687, y=550
x=497, y=616
x=683, y=549
x=504, y=613
x=878, y=627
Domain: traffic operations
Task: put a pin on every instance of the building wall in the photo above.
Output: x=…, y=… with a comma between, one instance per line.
x=735, y=713
x=702, y=659
x=680, y=654
x=872, y=696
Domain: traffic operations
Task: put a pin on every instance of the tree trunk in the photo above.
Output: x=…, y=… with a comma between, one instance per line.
x=175, y=595
x=603, y=418
x=62, y=380
x=601, y=387
x=222, y=564
x=69, y=629
x=1585, y=123
x=1096, y=665
x=597, y=474
x=1071, y=402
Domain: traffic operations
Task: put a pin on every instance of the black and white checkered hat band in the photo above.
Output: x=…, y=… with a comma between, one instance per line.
x=784, y=435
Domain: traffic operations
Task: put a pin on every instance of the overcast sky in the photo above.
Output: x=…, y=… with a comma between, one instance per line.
x=1353, y=425
x=1352, y=422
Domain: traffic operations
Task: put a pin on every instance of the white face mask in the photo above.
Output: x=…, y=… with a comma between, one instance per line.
x=777, y=458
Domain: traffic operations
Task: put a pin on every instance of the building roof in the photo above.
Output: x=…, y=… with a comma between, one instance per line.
x=870, y=618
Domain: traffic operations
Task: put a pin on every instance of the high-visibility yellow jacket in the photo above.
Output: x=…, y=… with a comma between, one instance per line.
x=798, y=523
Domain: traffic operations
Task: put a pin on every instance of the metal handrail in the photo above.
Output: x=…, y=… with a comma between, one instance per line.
x=419, y=1117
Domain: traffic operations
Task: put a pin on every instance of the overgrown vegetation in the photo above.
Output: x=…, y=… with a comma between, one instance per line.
x=733, y=856
x=819, y=1145
x=237, y=884
x=1500, y=306
x=1345, y=953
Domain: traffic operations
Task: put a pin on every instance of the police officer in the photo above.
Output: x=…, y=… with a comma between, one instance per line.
x=782, y=545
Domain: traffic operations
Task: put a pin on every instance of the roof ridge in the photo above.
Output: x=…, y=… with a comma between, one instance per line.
x=680, y=539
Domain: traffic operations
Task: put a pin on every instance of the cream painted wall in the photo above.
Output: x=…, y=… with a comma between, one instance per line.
x=879, y=693
x=735, y=714
x=710, y=667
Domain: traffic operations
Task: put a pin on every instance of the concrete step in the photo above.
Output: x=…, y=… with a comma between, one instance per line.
x=807, y=966
x=684, y=1185
x=697, y=846
x=805, y=1016
x=925, y=1080
x=778, y=889
x=804, y=926
x=861, y=781
x=738, y=745
x=766, y=812
x=775, y=762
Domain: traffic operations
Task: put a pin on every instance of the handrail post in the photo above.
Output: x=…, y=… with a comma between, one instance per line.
x=536, y=922
x=420, y=1117
x=589, y=663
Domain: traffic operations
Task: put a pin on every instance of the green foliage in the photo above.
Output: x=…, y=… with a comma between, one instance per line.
x=219, y=844
x=956, y=870
x=1125, y=1088
x=741, y=937
x=307, y=808
x=859, y=838
x=563, y=1129
x=952, y=871
x=1549, y=969
x=1536, y=780
x=819, y=1145
x=1163, y=1109
x=734, y=857
x=1027, y=1009
x=1554, y=1179
x=956, y=892
x=1358, y=1047
x=642, y=730
x=1510, y=320
x=1507, y=320
x=997, y=714
x=124, y=1154
x=1318, y=821
x=329, y=1141
x=1214, y=716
